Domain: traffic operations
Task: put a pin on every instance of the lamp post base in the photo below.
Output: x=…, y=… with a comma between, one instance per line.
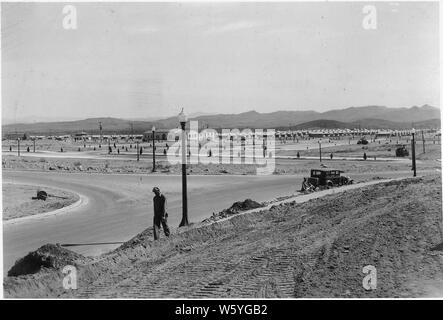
x=184, y=223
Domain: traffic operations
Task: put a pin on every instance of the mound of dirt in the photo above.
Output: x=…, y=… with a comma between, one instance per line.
x=48, y=256
x=237, y=207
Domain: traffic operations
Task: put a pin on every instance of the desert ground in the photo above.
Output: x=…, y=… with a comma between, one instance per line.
x=18, y=200
x=93, y=157
x=241, y=256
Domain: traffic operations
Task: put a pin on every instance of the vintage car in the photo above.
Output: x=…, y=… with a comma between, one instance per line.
x=325, y=178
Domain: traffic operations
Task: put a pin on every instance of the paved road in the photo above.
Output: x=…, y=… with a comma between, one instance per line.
x=120, y=206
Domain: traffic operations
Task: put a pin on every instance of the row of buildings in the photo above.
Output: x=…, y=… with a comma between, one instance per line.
x=211, y=134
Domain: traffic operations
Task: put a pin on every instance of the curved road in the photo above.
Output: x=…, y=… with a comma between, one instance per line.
x=119, y=206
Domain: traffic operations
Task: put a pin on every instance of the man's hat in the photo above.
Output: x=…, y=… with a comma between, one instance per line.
x=156, y=189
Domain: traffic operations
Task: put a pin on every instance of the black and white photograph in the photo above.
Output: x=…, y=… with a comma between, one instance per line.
x=194, y=151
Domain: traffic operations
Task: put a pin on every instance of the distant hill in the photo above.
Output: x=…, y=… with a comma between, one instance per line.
x=386, y=124
x=365, y=123
x=413, y=114
x=433, y=123
x=365, y=117
x=323, y=124
x=253, y=119
x=91, y=126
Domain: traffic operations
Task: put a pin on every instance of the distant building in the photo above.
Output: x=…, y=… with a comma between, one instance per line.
x=12, y=136
x=80, y=135
x=385, y=134
x=160, y=134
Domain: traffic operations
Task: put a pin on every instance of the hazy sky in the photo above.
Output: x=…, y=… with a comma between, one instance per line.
x=148, y=59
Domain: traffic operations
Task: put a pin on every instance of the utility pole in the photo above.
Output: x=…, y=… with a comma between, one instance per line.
x=18, y=147
x=101, y=128
x=414, y=167
x=264, y=146
x=153, y=148
x=319, y=147
x=423, y=138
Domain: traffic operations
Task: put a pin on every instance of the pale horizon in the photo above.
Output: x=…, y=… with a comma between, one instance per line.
x=147, y=60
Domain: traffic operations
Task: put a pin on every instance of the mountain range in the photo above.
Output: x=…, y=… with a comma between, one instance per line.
x=375, y=117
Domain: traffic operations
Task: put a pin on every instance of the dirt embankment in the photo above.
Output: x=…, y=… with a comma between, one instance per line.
x=314, y=249
x=18, y=202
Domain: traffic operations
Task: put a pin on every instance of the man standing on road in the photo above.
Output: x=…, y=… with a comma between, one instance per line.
x=160, y=213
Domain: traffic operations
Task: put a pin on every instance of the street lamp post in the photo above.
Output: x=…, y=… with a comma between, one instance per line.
x=18, y=147
x=184, y=222
x=414, y=167
x=34, y=144
x=319, y=148
x=138, y=152
x=153, y=148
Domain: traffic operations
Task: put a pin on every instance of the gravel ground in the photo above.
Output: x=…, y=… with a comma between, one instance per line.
x=282, y=166
x=429, y=160
x=18, y=202
x=314, y=249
